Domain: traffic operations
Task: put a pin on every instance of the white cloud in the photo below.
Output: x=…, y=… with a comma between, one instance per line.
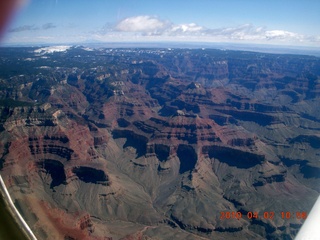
x=149, y=26
x=280, y=34
x=186, y=28
x=53, y=49
x=241, y=32
x=145, y=24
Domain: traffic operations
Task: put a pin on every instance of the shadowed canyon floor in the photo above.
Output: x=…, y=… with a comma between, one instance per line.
x=160, y=143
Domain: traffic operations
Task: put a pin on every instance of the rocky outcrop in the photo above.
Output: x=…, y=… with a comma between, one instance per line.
x=233, y=157
x=269, y=179
x=56, y=171
x=91, y=175
x=309, y=171
x=259, y=118
x=187, y=157
x=305, y=168
x=134, y=140
x=312, y=140
x=162, y=152
x=61, y=152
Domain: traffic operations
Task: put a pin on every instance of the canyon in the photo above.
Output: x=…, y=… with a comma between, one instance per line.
x=139, y=143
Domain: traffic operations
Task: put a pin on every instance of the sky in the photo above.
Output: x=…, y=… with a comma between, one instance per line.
x=277, y=22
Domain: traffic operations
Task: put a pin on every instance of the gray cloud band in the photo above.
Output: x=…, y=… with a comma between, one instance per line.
x=32, y=27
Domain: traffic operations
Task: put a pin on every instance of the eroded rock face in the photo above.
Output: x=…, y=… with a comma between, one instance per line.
x=140, y=143
x=56, y=171
x=187, y=157
x=162, y=152
x=90, y=175
x=234, y=157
